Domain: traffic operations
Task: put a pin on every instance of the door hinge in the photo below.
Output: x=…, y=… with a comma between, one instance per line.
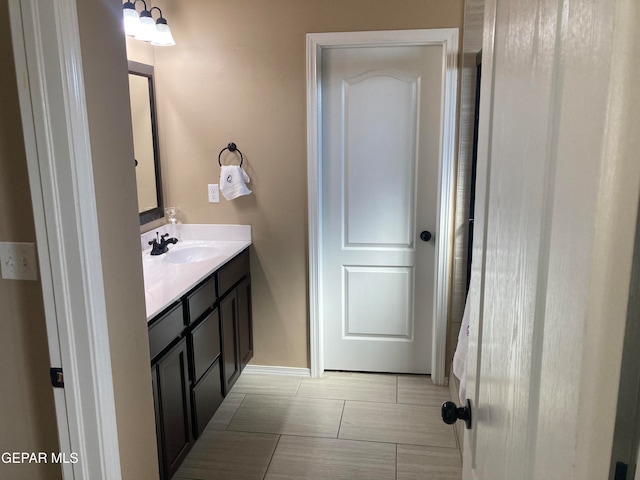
x=57, y=378
x=621, y=471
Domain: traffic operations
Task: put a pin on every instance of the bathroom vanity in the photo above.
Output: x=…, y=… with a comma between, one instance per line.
x=200, y=329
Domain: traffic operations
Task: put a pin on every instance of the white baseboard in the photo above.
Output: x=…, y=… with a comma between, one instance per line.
x=269, y=370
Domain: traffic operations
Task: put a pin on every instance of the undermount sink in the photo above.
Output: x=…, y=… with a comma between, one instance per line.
x=191, y=254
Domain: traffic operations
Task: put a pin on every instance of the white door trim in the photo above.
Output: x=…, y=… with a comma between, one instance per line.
x=448, y=38
x=48, y=65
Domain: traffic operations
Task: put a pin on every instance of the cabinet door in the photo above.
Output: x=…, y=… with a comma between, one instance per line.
x=156, y=409
x=229, y=325
x=174, y=407
x=245, y=327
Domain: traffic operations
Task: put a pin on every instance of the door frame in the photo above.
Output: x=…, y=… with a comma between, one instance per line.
x=48, y=65
x=316, y=42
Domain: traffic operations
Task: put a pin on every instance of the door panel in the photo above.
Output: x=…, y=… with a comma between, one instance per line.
x=378, y=303
x=392, y=141
x=381, y=136
x=552, y=247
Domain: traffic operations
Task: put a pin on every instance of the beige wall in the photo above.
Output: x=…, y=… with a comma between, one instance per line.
x=27, y=415
x=105, y=75
x=238, y=74
x=141, y=52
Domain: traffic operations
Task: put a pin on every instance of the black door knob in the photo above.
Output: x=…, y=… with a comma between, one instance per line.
x=451, y=413
x=425, y=236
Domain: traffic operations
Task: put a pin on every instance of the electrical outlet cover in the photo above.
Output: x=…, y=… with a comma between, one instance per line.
x=18, y=261
x=214, y=193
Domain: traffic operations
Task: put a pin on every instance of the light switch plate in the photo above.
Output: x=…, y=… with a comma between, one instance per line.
x=18, y=261
x=214, y=193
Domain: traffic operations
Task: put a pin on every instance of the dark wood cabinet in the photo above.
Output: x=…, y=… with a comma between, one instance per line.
x=229, y=322
x=174, y=408
x=235, y=318
x=245, y=326
x=156, y=408
x=199, y=347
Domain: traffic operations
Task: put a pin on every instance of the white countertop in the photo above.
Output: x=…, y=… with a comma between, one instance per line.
x=165, y=282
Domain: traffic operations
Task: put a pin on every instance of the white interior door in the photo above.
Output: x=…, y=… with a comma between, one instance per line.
x=382, y=110
x=557, y=192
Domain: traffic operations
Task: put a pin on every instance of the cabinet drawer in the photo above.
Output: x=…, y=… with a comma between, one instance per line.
x=207, y=397
x=163, y=330
x=206, y=344
x=233, y=271
x=200, y=300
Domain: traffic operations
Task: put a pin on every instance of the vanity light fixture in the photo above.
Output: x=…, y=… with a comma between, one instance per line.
x=142, y=27
x=131, y=18
x=147, y=28
x=162, y=37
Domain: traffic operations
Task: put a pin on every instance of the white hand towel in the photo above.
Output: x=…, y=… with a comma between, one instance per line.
x=232, y=181
x=462, y=350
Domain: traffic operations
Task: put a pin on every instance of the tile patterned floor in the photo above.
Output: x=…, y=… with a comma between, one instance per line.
x=344, y=426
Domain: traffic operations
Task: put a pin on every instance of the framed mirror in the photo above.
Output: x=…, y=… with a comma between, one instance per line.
x=145, y=142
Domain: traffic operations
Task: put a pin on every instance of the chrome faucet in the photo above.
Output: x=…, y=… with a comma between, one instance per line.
x=160, y=244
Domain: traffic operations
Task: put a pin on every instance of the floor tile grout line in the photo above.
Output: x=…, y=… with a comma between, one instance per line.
x=269, y=393
x=361, y=440
x=298, y=388
x=409, y=405
x=395, y=402
x=425, y=446
x=344, y=405
x=311, y=397
x=390, y=442
x=350, y=440
x=347, y=400
x=271, y=459
x=275, y=394
x=235, y=413
x=396, y=461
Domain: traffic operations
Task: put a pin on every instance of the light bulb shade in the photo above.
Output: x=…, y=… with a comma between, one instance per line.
x=147, y=29
x=163, y=37
x=131, y=19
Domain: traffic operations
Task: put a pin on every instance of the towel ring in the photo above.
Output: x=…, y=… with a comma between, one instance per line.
x=232, y=148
